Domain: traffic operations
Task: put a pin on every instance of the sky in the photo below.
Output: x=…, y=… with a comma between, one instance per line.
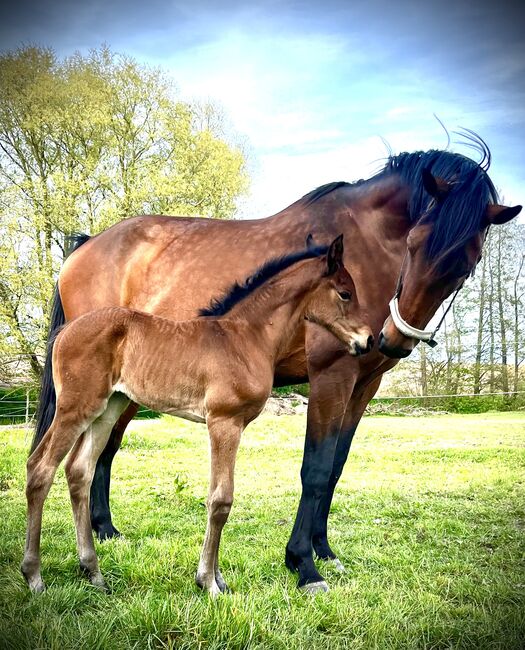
x=314, y=89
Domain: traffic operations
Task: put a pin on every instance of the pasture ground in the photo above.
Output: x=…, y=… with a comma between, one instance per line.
x=429, y=519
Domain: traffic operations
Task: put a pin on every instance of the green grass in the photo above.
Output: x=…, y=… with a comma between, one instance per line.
x=429, y=519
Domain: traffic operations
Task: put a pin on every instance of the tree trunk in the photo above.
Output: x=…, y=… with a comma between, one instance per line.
x=503, y=333
x=423, y=369
x=481, y=314
x=516, y=326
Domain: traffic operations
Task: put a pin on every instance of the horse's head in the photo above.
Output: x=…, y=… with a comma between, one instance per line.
x=438, y=259
x=334, y=304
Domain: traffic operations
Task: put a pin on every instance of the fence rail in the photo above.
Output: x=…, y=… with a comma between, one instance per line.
x=25, y=408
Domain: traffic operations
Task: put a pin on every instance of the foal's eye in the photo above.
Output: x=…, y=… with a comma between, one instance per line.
x=344, y=295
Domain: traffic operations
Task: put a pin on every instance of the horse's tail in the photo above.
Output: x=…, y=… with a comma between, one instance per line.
x=47, y=398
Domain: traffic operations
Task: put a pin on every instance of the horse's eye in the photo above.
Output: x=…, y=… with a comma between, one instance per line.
x=344, y=295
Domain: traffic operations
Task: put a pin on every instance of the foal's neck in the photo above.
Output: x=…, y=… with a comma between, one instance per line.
x=273, y=311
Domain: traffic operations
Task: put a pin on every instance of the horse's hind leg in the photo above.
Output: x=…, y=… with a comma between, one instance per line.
x=80, y=467
x=41, y=468
x=225, y=435
x=99, y=499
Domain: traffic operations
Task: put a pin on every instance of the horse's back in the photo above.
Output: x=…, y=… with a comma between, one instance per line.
x=169, y=266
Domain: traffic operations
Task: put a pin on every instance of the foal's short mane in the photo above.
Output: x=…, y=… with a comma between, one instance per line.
x=268, y=270
x=456, y=219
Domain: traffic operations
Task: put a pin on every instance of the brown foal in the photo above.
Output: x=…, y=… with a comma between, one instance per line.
x=217, y=369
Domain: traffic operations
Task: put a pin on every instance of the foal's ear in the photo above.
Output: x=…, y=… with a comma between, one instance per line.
x=496, y=215
x=438, y=188
x=334, y=257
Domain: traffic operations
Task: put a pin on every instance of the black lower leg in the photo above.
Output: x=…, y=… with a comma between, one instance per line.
x=99, y=496
x=320, y=525
x=315, y=472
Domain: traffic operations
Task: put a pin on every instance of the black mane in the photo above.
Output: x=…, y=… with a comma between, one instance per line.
x=323, y=190
x=238, y=292
x=456, y=219
x=460, y=216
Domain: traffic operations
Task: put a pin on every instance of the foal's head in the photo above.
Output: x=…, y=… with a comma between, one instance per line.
x=333, y=304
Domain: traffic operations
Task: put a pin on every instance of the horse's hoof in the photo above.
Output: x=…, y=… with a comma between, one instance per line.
x=337, y=565
x=106, y=531
x=313, y=588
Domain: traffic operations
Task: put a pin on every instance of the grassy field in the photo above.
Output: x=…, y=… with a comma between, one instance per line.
x=429, y=519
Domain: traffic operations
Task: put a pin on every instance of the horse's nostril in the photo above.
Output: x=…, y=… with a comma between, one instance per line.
x=370, y=343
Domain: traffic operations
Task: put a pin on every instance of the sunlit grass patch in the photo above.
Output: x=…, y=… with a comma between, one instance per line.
x=429, y=519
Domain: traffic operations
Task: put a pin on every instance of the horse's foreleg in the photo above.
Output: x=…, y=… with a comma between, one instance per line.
x=225, y=434
x=99, y=499
x=80, y=467
x=41, y=469
x=354, y=412
x=329, y=395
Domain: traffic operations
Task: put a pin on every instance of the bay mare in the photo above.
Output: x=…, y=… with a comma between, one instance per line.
x=417, y=226
x=217, y=369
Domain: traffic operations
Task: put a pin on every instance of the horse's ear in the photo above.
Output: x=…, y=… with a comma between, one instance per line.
x=438, y=188
x=334, y=257
x=309, y=241
x=496, y=215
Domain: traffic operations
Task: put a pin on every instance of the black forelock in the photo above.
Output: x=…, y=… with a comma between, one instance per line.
x=460, y=215
x=238, y=292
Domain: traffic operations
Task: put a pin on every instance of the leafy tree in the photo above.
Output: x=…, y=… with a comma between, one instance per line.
x=85, y=142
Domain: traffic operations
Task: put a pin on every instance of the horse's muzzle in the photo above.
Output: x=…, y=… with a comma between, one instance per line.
x=393, y=352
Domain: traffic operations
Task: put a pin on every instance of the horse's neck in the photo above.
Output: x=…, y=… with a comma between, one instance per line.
x=273, y=312
x=374, y=219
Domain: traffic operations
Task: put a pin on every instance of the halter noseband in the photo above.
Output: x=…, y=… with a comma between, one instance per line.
x=427, y=336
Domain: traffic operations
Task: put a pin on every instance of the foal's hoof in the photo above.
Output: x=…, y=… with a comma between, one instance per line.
x=212, y=587
x=221, y=583
x=98, y=582
x=313, y=588
x=34, y=582
x=36, y=585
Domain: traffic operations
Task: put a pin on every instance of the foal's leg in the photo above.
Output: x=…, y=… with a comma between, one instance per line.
x=99, y=499
x=80, y=467
x=225, y=434
x=41, y=468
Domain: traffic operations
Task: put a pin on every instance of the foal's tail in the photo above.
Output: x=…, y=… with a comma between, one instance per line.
x=47, y=400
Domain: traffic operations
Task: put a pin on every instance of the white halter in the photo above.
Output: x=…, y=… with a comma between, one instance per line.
x=427, y=336
x=407, y=329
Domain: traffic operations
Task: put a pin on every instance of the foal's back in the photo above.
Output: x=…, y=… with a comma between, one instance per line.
x=182, y=368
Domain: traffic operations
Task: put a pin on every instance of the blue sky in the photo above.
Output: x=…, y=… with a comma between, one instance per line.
x=314, y=86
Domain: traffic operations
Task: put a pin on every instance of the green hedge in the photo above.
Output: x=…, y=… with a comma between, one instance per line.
x=471, y=404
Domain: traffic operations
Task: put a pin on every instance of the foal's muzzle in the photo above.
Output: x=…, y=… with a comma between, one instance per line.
x=362, y=347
